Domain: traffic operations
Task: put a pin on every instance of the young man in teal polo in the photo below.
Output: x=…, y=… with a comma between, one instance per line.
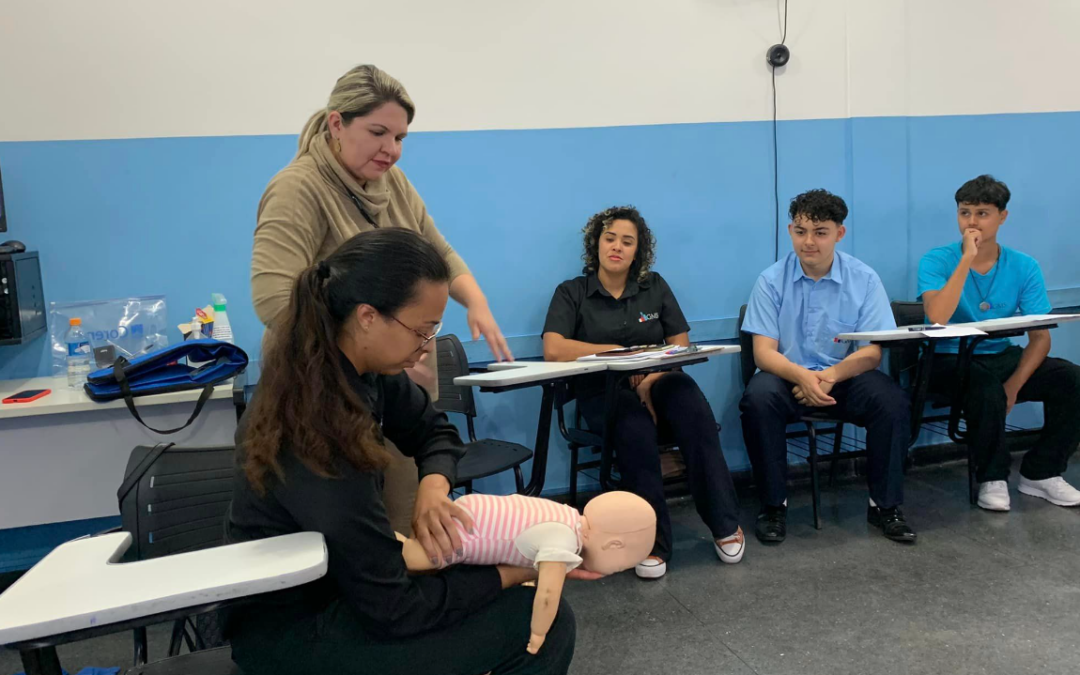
x=975, y=279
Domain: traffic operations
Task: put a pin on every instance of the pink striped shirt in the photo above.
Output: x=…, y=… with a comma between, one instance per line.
x=501, y=520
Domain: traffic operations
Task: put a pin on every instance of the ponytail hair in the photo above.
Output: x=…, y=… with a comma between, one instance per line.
x=357, y=94
x=304, y=402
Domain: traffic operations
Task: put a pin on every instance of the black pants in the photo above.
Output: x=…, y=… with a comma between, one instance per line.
x=1056, y=383
x=871, y=400
x=685, y=419
x=491, y=640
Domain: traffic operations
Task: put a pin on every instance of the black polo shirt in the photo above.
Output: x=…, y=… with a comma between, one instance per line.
x=646, y=314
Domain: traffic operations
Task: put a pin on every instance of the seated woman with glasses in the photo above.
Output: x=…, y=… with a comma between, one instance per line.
x=311, y=452
x=619, y=302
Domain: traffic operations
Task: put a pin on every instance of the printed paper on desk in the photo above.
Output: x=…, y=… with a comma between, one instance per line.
x=951, y=332
x=631, y=353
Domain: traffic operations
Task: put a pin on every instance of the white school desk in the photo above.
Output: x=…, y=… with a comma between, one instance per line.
x=990, y=326
x=502, y=376
x=1012, y=326
x=524, y=374
x=617, y=371
x=63, y=455
x=703, y=352
x=549, y=375
x=80, y=587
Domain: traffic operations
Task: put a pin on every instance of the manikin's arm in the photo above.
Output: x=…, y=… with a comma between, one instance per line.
x=546, y=605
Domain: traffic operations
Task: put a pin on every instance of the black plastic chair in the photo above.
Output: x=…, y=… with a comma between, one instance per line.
x=951, y=424
x=806, y=439
x=903, y=366
x=175, y=500
x=484, y=457
x=578, y=437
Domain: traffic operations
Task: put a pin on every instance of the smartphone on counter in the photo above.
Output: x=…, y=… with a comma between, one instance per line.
x=28, y=395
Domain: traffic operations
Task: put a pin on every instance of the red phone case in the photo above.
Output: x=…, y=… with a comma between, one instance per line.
x=40, y=394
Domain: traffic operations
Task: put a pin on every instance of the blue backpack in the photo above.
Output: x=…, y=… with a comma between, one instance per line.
x=161, y=372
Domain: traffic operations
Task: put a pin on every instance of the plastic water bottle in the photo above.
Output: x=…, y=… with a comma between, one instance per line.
x=78, y=354
x=222, y=330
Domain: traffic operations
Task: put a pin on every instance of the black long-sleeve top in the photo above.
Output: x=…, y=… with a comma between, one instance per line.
x=366, y=568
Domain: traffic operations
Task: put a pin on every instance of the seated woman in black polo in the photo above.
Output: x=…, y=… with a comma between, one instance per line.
x=619, y=302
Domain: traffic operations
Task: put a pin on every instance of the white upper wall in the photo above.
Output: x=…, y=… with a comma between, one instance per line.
x=73, y=69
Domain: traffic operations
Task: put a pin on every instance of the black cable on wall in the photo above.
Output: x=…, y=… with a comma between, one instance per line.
x=777, y=58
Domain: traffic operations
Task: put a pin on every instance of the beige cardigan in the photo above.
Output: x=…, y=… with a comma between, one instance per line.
x=307, y=212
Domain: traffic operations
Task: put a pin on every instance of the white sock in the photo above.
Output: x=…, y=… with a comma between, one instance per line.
x=872, y=502
x=785, y=502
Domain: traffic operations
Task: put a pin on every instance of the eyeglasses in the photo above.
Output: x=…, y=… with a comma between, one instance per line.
x=425, y=339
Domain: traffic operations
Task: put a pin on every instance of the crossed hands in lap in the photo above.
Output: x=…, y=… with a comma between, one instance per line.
x=813, y=387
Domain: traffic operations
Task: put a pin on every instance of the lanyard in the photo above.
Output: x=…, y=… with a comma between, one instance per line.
x=984, y=305
x=363, y=211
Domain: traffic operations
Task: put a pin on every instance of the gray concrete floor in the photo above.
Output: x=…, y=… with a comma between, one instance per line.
x=980, y=593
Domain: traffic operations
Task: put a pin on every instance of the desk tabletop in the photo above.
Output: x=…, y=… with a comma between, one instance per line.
x=537, y=372
x=990, y=326
x=526, y=372
x=1020, y=322
x=80, y=585
x=703, y=352
x=65, y=400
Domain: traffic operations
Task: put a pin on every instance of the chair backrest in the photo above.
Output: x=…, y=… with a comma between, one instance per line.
x=908, y=313
x=179, y=502
x=905, y=358
x=746, y=356
x=453, y=363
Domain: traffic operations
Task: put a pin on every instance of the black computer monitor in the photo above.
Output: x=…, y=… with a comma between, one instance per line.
x=3, y=212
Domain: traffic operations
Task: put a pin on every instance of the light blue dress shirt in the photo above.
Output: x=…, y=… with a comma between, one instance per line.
x=804, y=316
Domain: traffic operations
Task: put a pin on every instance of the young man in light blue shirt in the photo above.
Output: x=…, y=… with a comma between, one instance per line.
x=977, y=279
x=797, y=308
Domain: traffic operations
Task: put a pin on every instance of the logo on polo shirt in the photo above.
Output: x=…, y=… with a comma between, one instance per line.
x=648, y=317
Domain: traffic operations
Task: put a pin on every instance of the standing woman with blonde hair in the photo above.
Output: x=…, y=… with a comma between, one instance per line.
x=344, y=181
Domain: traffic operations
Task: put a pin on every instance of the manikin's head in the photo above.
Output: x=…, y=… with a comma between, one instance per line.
x=618, y=531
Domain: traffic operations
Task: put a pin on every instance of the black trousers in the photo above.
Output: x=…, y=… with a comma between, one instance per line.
x=685, y=419
x=871, y=400
x=491, y=640
x=1056, y=383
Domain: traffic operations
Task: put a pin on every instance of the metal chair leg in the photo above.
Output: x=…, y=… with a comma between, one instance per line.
x=838, y=439
x=973, y=492
x=815, y=489
x=468, y=488
x=519, y=479
x=42, y=661
x=140, y=647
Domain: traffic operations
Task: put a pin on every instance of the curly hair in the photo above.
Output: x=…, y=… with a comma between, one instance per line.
x=984, y=190
x=819, y=206
x=646, y=248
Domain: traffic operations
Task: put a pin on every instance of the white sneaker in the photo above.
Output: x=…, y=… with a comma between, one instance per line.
x=994, y=495
x=731, y=549
x=651, y=568
x=1055, y=490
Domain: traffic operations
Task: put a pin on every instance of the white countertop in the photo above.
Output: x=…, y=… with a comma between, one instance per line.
x=65, y=400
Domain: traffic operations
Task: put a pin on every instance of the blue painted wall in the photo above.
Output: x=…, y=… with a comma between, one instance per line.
x=175, y=216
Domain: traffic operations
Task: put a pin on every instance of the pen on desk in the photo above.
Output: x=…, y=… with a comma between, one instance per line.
x=917, y=329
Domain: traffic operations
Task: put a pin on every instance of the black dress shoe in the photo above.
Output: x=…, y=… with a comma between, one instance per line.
x=892, y=523
x=772, y=524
